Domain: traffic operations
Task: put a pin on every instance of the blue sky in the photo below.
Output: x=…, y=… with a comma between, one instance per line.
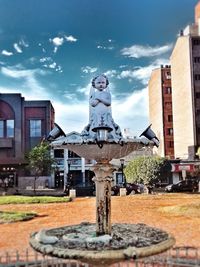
x=51, y=49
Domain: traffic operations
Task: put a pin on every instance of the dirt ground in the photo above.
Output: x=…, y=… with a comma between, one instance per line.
x=130, y=209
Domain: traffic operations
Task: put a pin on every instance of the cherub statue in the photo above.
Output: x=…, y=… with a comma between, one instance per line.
x=100, y=114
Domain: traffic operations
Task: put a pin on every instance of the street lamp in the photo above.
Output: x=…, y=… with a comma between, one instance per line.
x=122, y=168
x=69, y=176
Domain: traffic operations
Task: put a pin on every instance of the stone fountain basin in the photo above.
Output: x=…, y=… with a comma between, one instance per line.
x=108, y=152
x=127, y=241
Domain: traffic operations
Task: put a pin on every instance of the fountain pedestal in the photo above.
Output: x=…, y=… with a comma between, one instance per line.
x=103, y=179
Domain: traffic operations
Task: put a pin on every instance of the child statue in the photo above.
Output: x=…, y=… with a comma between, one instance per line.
x=100, y=114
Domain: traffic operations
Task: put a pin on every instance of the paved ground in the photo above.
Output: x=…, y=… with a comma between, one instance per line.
x=129, y=209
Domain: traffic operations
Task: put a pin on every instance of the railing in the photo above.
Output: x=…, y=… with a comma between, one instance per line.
x=74, y=161
x=29, y=258
x=176, y=257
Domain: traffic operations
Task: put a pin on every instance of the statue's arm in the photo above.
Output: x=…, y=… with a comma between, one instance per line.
x=105, y=99
x=93, y=101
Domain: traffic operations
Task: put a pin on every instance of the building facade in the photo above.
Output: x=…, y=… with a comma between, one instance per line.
x=72, y=170
x=185, y=72
x=160, y=109
x=23, y=124
x=174, y=104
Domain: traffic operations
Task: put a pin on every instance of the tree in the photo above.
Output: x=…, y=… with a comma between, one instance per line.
x=40, y=161
x=144, y=169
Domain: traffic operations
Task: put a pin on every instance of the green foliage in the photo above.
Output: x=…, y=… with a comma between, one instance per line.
x=15, y=216
x=144, y=169
x=31, y=200
x=39, y=159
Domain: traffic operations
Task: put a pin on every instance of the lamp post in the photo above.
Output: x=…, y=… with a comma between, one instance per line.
x=69, y=178
x=122, y=168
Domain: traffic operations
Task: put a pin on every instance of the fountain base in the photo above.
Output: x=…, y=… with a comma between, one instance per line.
x=128, y=241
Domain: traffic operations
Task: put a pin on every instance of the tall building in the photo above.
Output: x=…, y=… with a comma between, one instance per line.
x=185, y=73
x=160, y=109
x=23, y=124
x=174, y=109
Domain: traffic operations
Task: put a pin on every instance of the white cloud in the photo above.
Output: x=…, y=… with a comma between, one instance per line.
x=53, y=65
x=70, y=38
x=17, y=72
x=142, y=73
x=73, y=116
x=135, y=111
x=105, y=47
x=45, y=59
x=23, y=43
x=138, y=51
x=88, y=69
x=110, y=73
x=59, y=68
x=58, y=41
x=30, y=86
x=6, y=53
x=84, y=90
x=50, y=64
x=17, y=48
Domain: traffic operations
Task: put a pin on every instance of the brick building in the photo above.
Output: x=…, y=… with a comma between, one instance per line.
x=23, y=124
x=160, y=109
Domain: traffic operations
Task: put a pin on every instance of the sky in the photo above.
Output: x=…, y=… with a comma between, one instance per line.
x=51, y=50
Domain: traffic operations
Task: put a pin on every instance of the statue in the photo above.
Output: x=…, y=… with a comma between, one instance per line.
x=100, y=114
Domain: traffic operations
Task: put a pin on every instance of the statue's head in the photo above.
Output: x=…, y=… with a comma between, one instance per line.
x=100, y=82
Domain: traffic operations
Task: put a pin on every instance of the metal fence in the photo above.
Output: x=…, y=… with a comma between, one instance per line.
x=176, y=257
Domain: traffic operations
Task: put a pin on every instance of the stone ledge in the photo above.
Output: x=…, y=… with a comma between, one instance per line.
x=109, y=253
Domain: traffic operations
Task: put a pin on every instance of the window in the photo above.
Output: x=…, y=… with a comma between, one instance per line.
x=170, y=144
x=168, y=90
x=59, y=153
x=6, y=128
x=197, y=94
x=35, y=128
x=196, y=42
x=170, y=118
x=196, y=59
x=197, y=77
x=168, y=75
x=169, y=131
x=10, y=128
x=168, y=104
x=119, y=178
x=1, y=129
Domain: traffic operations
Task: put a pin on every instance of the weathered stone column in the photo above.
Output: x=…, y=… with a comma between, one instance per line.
x=103, y=179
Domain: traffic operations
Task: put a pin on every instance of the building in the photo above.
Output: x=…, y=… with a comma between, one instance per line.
x=185, y=73
x=174, y=104
x=160, y=109
x=175, y=113
x=23, y=124
x=72, y=170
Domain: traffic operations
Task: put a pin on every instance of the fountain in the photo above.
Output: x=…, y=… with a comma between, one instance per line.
x=101, y=243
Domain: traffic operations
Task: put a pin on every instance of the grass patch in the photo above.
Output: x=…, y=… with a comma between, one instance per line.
x=12, y=216
x=32, y=200
x=183, y=210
